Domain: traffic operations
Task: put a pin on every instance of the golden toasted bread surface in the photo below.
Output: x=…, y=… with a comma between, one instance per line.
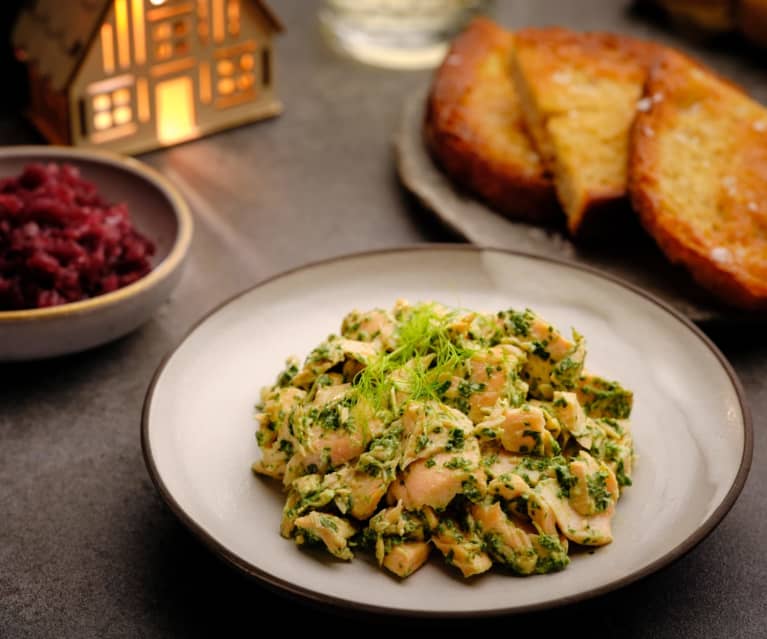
x=698, y=178
x=475, y=131
x=578, y=93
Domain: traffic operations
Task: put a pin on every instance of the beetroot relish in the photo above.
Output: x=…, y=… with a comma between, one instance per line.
x=61, y=242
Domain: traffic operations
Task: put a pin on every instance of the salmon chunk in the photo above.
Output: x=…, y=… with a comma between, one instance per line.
x=589, y=530
x=437, y=480
x=520, y=430
x=525, y=501
x=329, y=354
x=405, y=558
x=491, y=375
x=506, y=542
x=461, y=549
x=357, y=492
x=430, y=427
x=334, y=532
x=372, y=326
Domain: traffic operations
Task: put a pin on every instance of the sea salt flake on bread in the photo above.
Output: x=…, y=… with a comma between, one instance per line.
x=579, y=94
x=475, y=131
x=698, y=178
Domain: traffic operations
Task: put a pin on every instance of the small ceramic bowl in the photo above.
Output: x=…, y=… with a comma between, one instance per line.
x=157, y=210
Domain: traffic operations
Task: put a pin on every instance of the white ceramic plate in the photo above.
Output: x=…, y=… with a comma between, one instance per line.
x=692, y=430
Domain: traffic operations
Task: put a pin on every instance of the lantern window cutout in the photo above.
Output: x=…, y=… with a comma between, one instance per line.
x=224, y=67
x=162, y=31
x=132, y=75
x=102, y=120
x=225, y=86
x=163, y=51
x=101, y=102
x=245, y=81
x=233, y=17
x=122, y=115
x=121, y=96
x=247, y=62
x=203, y=30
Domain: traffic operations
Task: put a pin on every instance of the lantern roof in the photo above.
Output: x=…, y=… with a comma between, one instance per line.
x=56, y=36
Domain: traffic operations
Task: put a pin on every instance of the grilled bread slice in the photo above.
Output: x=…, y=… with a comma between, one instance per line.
x=698, y=178
x=474, y=128
x=579, y=93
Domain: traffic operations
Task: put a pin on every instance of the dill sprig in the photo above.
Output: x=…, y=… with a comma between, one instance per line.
x=427, y=355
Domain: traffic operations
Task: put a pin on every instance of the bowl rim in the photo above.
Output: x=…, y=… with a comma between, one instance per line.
x=160, y=272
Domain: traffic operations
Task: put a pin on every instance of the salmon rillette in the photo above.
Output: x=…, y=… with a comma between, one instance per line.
x=482, y=435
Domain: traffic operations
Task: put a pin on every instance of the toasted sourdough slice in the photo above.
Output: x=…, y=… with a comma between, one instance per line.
x=474, y=129
x=698, y=178
x=579, y=93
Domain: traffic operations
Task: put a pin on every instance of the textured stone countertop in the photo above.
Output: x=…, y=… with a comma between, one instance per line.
x=88, y=548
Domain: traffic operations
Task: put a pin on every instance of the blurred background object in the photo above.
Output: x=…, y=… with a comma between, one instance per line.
x=752, y=20
x=716, y=17
x=404, y=34
x=131, y=75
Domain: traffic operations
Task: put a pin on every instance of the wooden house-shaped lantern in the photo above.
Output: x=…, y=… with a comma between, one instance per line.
x=133, y=75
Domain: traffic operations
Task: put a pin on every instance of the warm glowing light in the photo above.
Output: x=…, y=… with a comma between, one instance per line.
x=202, y=32
x=157, y=3
x=205, y=89
x=121, y=96
x=123, y=115
x=163, y=51
x=139, y=34
x=218, y=20
x=101, y=102
x=245, y=81
x=224, y=67
x=225, y=86
x=107, y=48
x=162, y=13
x=175, y=109
x=162, y=31
x=123, y=39
x=102, y=120
x=202, y=21
x=247, y=62
x=142, y=98
x=233, y=13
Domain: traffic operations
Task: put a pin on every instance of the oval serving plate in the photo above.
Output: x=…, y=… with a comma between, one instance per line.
x=692, y=430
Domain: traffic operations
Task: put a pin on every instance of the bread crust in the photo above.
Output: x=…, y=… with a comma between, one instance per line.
x=474, y=129
x=698, y=178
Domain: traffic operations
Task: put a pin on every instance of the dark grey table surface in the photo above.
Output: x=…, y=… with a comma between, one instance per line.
x=87, y=547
